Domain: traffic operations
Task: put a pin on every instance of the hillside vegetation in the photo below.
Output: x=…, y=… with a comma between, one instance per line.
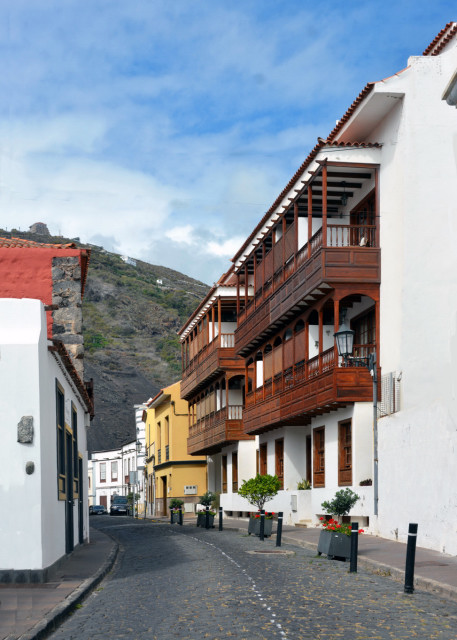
x=131, y=314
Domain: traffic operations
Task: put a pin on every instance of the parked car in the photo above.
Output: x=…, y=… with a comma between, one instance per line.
x=97, y=510
x=119, y=506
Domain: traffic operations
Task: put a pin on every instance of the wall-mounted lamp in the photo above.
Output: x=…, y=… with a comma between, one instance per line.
x=344, y=197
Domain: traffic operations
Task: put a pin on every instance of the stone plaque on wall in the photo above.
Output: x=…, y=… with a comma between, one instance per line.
x=25, y=430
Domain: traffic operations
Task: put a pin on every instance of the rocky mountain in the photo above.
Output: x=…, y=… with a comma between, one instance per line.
x=131, y=313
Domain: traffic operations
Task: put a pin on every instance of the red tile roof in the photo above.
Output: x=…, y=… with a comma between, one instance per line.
x=12, y=243
x=441, y=39
x=357, y=145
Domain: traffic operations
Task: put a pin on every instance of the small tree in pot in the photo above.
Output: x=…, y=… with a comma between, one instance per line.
x=206, y=500
x=257, y=492
x=334, y=540
x=175, y=505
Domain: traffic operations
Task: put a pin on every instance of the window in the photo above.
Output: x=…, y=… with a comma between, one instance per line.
x=344, y=453
x=74, y=428
x=224, y=474
x=102, y=471
x=365, y=333
x=279, y=461
x=114, y=471
x=234, y=472
x=263, y=459
x=167, y=430
x=60, y=427
x=319, y=457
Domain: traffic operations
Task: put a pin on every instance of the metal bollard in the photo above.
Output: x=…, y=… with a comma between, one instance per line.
x=262, y=525
x=279, y=529
x=207, y=518
x=171, y=516
x=220, y=519
x=410, y=557
x=354, y=547
x=180, y=516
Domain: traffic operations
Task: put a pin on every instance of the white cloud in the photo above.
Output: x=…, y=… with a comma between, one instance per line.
x=181, y=234
x=226, y=248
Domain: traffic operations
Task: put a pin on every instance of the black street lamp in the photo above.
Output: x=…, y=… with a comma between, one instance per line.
x=345, y=344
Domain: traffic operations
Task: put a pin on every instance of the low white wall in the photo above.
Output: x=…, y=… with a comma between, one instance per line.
x=417, y=477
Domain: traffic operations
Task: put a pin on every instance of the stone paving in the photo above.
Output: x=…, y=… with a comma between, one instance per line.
x=186, y=582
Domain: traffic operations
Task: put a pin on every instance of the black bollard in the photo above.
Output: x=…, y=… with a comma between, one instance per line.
x=279, y=529
x=207, y=518
x=180, y=516
x=220, y=519
x=354, y=547
x=171, y=516
x=262, y=524
x=410, y=557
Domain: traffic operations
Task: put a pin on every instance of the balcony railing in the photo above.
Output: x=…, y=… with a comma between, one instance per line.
x=223, y=341
x=167, y=452
x=232, y=412
x=338, y=236
x=301, y=371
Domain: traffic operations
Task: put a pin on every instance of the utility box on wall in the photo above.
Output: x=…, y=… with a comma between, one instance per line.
x=190, y=490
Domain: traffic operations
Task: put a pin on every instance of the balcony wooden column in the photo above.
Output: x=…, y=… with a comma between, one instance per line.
x=324, y=206
x=219, y=310
x=263, y=264
x=296, y=233
x=310, y=219
x=246, y=280
x=207, y=327
x=284, y=228
x=237, y=294
x=336, y=326
x=246, y=382
x=321, y=337
x=212, y=323
x=306, y=334
x=254, y=257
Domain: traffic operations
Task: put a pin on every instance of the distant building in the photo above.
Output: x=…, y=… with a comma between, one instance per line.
x=129, y=261
x=171, y=471
x=40, y=228
x=109, y=472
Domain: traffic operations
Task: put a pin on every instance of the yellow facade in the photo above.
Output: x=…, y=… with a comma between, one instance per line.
x=171, y=471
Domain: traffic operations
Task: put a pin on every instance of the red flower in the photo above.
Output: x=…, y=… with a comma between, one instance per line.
x=361, y=531
x=321, y=518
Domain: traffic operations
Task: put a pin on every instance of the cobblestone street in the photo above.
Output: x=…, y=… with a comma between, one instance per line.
x=185, y=582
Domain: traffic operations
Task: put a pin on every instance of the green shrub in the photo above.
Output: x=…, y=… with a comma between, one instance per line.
x=260, y=489
x=207, y=499
x=176, y=503
x=341, y=504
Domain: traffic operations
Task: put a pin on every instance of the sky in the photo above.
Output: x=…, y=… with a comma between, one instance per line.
x=164, y=130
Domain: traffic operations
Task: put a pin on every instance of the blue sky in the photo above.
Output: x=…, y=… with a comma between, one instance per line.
x=164, y=130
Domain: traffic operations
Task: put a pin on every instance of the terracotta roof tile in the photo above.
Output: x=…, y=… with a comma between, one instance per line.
x=359, y=145
x=440, y=41
x=14, y=243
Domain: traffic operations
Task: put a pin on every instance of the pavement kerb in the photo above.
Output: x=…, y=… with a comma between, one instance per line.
x=426, y=584
x=56, y=615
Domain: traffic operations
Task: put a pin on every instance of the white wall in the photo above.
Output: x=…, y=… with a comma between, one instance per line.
x=32, y=535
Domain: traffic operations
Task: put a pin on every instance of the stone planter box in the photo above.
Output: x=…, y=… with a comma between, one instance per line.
x=201, y=520
x=175, y=518
x=334, y=545
x=254, y=526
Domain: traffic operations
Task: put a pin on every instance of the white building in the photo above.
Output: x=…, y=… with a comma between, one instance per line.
x=365, y=228
x=45, y=411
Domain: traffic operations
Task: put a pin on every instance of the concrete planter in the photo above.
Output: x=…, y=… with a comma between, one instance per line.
x=254, y=526
x=175, y=518
x=334, y=545
x=201, y=520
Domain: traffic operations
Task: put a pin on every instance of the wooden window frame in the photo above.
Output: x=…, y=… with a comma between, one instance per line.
x=319, y=457
x=279, y=461
x=224, y=474
x=100, y=466
x=60, y=442
x=344, y=453
x=114, y=477
x=234, y=471
x=263, y=458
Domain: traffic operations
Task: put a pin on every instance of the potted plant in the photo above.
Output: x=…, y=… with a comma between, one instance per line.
x=175, y=506
x=257, y=492
x=254, y=523
x=304, y=485
x=206, y=500
x=335, y=538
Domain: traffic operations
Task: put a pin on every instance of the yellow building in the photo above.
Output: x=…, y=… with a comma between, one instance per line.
x=171, y=471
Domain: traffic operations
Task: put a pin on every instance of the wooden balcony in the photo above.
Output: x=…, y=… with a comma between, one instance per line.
x=308, y=276
x=209, y=434
x=302, y=392
x=215, y=358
